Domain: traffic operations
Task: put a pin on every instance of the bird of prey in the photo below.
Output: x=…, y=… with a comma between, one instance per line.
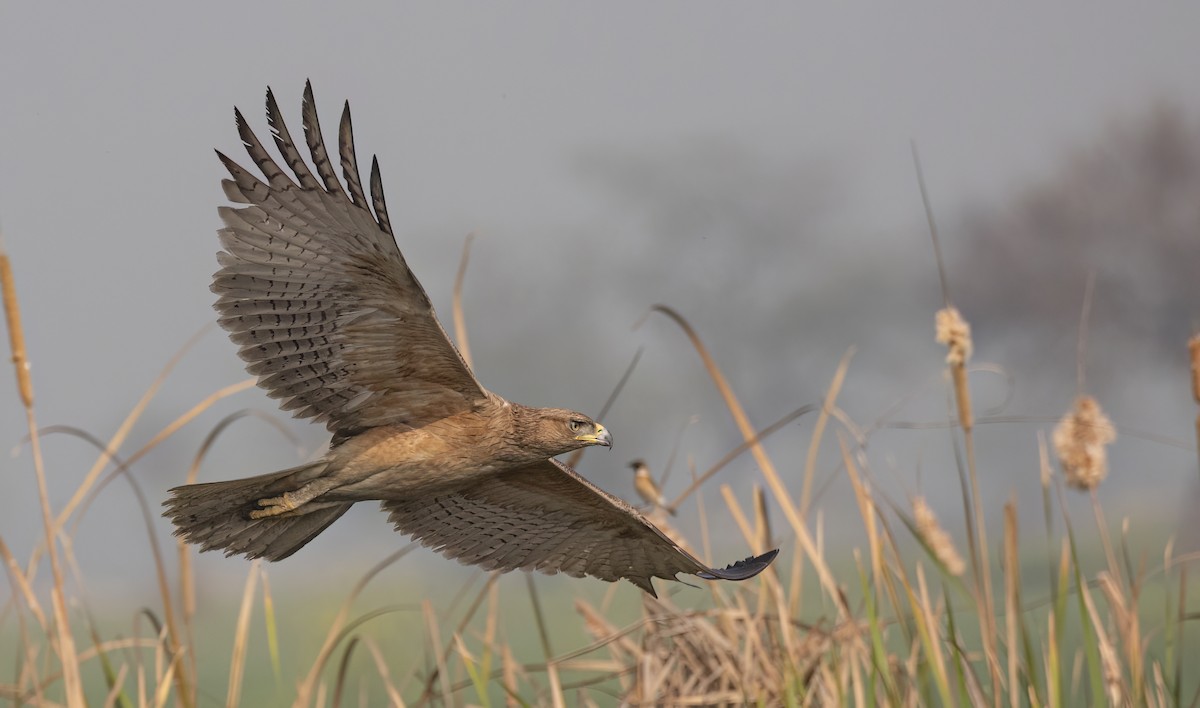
x=326, y=313
x=647, y=488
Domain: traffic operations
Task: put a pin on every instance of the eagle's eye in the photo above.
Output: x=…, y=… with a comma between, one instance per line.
x=576, y=425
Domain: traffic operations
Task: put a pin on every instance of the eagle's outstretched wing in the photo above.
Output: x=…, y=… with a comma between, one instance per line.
x=316, y=293
x=546, y=517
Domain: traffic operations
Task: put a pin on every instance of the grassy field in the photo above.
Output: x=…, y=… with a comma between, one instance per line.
x=1062, y=614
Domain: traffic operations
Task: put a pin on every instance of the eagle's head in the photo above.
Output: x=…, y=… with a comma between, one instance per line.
x=553, y=431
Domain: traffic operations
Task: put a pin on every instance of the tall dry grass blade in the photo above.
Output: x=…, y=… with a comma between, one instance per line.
x=1180, y=621
x=435, y=674
x=556, y=692
x=477, y=673
x=574, y=457
x=435, y=642
x=307, y=687
x=64, y=643
x=1113, y=683
x=1081, y=340
x=828, y=403
x=930, y=619
x=460, y=324
x=184, y=551
x=1194, y=356
x=1123, y=611
x=954, y=331
x=272, y=629
x=933, y=231
x=116, y=694
x=698, y=481
x=174, y=631
x=670, y=465
x=1012, y=599
x=762, y=518
x=118, y=438
x=26, y=654
x=241, y=636
x=782, y=495
x=22, y=587
x=509, y=678
x=771, y=591
x=381, y=666
x=339, y=683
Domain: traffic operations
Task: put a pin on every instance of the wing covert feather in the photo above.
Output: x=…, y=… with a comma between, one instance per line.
x=546, y=517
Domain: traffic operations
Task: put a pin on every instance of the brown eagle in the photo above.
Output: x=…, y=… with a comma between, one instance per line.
x=327, y=315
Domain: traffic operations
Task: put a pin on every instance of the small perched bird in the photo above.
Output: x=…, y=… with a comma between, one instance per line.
x=326, y=313
x=647, y=488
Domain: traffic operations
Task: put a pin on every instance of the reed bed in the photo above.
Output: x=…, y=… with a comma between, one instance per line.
x=919, y=617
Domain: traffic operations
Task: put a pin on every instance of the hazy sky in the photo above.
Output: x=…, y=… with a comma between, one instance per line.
x=586, y=144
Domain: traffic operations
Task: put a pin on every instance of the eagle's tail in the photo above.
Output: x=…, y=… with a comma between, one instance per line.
x=217, y=514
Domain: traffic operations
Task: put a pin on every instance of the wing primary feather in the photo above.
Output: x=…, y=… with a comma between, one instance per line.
x=283, y=140
x=381, y=214
x=349, y=162
x=741, y=570
x=246, y=184
x=316, y=144
x=275, y=177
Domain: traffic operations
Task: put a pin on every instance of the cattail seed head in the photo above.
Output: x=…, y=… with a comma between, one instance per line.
x=936, y=538
x=1080, y=441
x=955, y=333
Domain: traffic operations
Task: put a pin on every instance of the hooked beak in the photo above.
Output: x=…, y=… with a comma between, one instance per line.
x=600, y=437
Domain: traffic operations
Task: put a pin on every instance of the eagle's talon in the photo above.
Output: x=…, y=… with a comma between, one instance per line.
x=274, y=506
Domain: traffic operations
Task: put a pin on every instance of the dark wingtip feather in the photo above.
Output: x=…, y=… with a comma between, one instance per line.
x=381, y=215
x=741, y=570
x=349, y=161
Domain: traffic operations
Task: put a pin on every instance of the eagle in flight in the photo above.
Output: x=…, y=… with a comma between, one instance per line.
x=326, y=313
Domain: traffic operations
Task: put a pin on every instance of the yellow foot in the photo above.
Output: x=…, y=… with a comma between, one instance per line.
x=274, y=506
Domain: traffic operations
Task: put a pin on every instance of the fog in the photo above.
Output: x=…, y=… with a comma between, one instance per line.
x=750, y=168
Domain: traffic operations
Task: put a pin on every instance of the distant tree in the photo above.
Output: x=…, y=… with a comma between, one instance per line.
x=1126, y=205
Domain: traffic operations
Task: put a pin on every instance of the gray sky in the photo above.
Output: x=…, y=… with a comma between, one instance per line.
x=588, y=145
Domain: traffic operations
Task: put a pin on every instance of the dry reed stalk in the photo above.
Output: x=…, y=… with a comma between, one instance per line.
x=934, y=536
x=123, y=430
x=113, y=693
x=1194, y=352
x=1080, y=441
x=381, y=666
x=1108, y=654
x=489, y=584
x=698, y=481
x=509, y=673
x=782, y=496
x=556, y=693
x=827, y=407
x=460, y=326
x=1012, y=599
x=1123, y=610
x=955, y=332
x=770, y=589
x=435, y=642
x=237, y=658
x=64, y=642
x=343, y=672
x=1053, y=662
x=311, y=683
x=23, y=588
